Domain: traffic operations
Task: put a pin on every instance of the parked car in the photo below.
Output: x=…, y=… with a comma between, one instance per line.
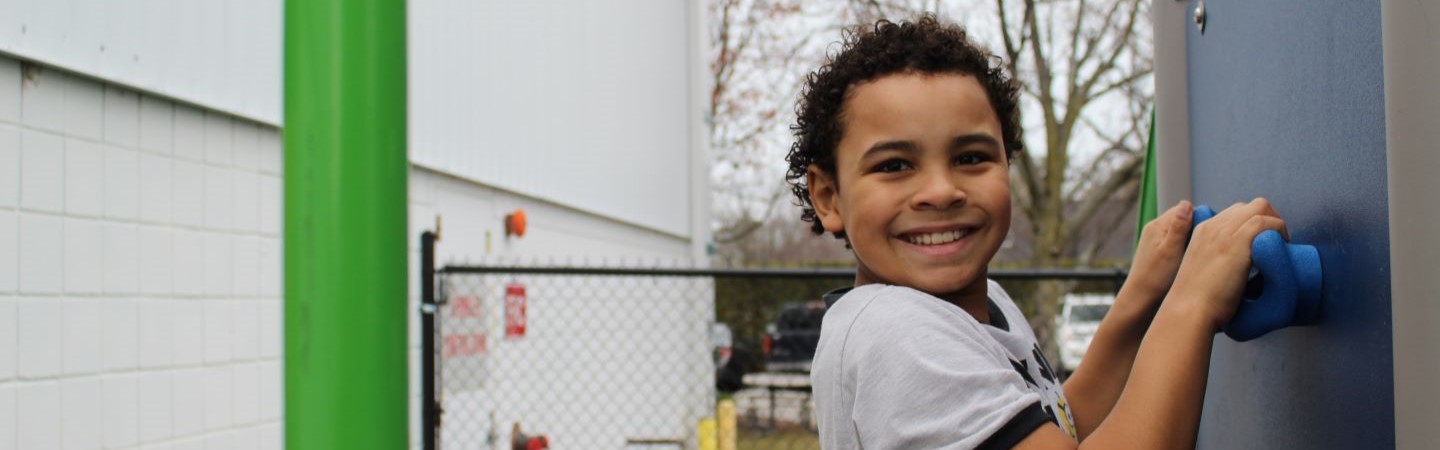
x=1079, y=318
x=789, y=343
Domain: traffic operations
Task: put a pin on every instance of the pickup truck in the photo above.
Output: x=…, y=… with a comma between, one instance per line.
x=789, y=343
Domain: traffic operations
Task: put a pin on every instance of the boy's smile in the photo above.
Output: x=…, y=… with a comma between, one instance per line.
x=921, y=186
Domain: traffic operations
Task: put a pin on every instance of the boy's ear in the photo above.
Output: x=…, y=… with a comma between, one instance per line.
x=824, y=197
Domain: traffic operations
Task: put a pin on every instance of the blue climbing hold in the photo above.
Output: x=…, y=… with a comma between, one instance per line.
x=1284, y=288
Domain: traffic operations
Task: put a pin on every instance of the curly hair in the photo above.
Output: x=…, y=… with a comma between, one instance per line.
x=923, y=46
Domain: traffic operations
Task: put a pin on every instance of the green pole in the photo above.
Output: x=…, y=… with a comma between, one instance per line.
x=345, y=220
x=1149, y=207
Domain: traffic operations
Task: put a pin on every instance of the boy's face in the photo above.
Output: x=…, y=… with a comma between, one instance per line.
x=921, y=186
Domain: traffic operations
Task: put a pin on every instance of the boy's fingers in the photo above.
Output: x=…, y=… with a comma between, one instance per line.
x=1259, y=223
x=1180, y=216
x=1265, y=208
x=1182, y=209
x=1257, y=206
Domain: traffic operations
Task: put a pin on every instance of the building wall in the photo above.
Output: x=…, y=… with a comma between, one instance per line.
x=586, y=104
x=139, y=269
x=219, y=54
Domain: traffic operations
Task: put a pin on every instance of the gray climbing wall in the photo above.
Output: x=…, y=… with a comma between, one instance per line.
x=1286, y=101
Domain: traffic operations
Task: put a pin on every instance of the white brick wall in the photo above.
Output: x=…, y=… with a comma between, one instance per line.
x=8, y=418
x=39, y=426
x=9, y=251
x=139, y=270
x=9, y=163
x=80, y=413
x=42, y=165
x=8, y=333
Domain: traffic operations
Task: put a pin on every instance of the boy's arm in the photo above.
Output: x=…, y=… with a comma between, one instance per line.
x=1096, y=385
x=1161, y=403
x=1160, y=406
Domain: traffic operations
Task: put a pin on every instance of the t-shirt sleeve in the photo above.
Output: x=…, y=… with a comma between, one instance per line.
x=924, y=378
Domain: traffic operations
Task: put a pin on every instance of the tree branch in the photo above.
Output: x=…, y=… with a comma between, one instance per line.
x=1043, y=74
x=1092, y=42
x=1107, y=233
x=1090, y=172
x=747, y=225
x=1123, y=82
x=1012, y=49
x=1099, y=195
x=723, y=58
x=1030, y=179
x=1121, y=44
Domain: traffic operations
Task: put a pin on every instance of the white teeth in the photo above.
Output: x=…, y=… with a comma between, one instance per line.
x=937, y=238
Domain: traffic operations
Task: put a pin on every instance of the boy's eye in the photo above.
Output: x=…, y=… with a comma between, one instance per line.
x=892, y=165
x=972, y=158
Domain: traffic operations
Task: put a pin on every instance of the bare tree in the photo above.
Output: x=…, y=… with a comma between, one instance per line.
x=1066, y=71
x=757, y=56
x=761, y=51
x=1071, y=56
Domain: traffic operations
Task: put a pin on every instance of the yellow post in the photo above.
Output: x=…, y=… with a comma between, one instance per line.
x=725, y=412
x=707, y=434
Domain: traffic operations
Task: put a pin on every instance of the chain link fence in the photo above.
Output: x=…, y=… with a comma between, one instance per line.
x=519, y=357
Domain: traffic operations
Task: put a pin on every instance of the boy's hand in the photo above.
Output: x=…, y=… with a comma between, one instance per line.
x=1158, y=254
x=1217, y=264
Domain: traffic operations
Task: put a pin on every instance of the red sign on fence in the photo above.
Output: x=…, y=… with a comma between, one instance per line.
x=515, y=311
x=464, y=333
x=462, y=345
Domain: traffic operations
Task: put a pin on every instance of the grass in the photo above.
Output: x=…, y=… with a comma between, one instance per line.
x=780, y=439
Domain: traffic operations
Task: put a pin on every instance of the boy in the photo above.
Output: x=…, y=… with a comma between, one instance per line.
x=904, y=141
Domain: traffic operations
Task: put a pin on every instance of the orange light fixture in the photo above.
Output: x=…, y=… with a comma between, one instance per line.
x=515, y=223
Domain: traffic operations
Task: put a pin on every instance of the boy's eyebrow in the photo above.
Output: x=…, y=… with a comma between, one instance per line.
x=910, y=147
x=973, y=138
x=904, y=146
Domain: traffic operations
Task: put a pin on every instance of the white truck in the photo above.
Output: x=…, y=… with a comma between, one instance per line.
x=1079, y=318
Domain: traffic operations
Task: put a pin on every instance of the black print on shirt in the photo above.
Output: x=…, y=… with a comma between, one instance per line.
x=1045, y=370
x=1024, y=369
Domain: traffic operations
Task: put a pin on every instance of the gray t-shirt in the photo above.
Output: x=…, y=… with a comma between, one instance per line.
x=897, y=368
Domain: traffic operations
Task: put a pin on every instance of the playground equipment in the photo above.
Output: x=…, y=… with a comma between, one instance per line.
x=1284, y=286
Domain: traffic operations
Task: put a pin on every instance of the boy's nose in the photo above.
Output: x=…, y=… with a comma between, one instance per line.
x=938, y=191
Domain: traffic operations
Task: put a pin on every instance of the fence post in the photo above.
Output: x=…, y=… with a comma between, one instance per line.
x=429, y=402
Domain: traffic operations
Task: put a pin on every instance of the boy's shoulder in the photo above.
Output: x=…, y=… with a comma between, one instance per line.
x=881, y=312
x=901, y=300
x=888, y=331
x=892, y=300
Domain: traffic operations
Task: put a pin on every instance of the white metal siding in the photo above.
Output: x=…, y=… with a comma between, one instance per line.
x=585, y=104
x=221, y=54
